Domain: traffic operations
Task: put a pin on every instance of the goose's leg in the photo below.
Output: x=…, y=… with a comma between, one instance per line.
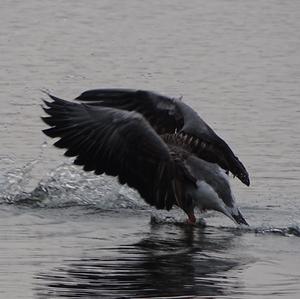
x=191, y=218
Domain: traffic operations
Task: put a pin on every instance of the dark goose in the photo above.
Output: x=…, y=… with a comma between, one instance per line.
x=155, y=144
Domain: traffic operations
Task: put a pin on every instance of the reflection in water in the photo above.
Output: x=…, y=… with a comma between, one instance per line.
x=168, y=262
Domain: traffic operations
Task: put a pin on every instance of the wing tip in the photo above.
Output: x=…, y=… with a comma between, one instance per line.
x=49, y=132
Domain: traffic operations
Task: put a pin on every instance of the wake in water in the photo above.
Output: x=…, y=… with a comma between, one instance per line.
x=290, y=230
x=68, y=186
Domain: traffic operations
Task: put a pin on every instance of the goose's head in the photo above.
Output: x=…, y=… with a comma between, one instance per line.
x=212, y=190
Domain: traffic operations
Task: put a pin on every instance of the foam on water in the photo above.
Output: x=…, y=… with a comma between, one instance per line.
x=66, y=185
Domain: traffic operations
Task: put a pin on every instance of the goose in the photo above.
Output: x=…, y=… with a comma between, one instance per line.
x=155, y=144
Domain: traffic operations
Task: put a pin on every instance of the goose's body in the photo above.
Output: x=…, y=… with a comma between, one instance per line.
x=157, y=145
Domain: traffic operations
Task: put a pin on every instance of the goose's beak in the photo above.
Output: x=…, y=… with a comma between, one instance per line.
x=239, y=218
x=234, y=214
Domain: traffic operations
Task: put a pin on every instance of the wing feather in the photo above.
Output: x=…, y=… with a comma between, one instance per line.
x=114, y=142
x=169, y=115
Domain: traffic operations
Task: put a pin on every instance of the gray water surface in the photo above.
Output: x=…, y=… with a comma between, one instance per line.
x=65, y=233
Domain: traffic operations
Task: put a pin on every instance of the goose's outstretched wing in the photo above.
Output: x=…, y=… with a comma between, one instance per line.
x=118, y=143
x=169, y=115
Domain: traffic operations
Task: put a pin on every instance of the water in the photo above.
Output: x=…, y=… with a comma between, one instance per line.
x=65, y=233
